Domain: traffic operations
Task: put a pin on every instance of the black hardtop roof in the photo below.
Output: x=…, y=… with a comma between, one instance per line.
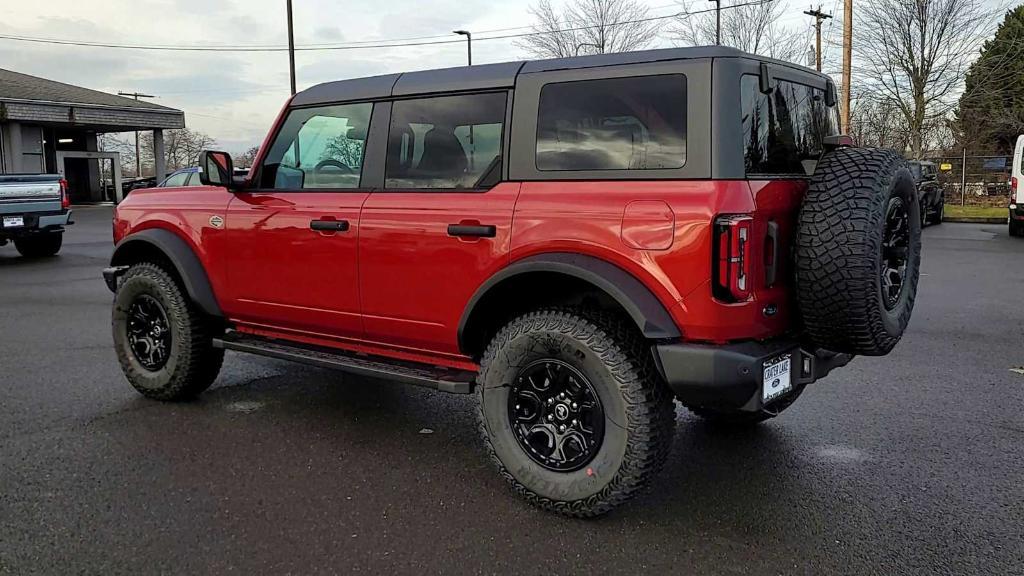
x=503, y=75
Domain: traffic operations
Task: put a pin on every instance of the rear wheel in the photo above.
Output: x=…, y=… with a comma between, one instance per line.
x=1016, y=227
x=163, y=341
x=572, y=411
x=40, y=245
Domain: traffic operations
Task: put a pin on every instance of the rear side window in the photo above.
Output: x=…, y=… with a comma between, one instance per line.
x=446, y=142
x=634, y=123
x=319, y=147
x=784, y=131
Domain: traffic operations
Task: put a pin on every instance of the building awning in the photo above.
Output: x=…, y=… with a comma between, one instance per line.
x=30, y=99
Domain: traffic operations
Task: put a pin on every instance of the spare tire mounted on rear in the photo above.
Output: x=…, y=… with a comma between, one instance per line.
x=858, y=251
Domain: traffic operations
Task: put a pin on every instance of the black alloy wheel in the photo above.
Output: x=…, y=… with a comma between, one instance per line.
x=149, y=332
x=895, y=244
x=556, y=415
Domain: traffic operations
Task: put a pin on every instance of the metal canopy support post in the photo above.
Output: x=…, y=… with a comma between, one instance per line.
x=159, y=158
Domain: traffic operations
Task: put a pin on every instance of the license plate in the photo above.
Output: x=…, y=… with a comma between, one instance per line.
x=777, y=378
x=13, y=221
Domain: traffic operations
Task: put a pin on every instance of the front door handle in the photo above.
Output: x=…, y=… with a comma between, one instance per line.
x=329, y=225
x=474, y=230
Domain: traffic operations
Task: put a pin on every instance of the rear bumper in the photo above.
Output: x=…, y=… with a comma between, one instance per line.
x=730, y=376
x=36, y=223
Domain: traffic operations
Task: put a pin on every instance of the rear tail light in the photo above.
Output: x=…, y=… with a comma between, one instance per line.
x=65, y=200
x=1013, y=184
x=732, y=258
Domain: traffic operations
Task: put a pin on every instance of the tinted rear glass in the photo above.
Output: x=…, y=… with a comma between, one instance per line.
x=635, y=123
x=784, y=131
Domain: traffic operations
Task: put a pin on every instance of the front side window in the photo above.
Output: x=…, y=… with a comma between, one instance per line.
x=445, y=142
x=177, y=179
x=636, y=123
x=320, y=147
x=784, y=131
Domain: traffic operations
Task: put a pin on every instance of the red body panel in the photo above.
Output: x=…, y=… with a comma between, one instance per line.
x=397, y=283
x=282, y=273
x=416, y=279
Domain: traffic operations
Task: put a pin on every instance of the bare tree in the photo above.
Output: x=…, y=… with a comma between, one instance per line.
x=181, y=148
x=124, y=145
x=247, y=158
x=752, y=27
x=914, y=54
x=589, y=27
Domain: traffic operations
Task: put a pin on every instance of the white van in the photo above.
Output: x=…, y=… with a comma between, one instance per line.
x=1017, y=190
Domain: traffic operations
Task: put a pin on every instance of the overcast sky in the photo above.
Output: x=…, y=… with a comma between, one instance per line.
x=234, y=97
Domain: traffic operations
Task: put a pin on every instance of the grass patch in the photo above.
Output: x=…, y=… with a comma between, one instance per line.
x=958, y=211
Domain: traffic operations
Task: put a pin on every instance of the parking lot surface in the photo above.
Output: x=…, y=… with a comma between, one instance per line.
x=908, y=464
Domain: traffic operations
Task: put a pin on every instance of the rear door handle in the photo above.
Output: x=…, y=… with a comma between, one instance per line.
x=329, y=225
x=476, y=230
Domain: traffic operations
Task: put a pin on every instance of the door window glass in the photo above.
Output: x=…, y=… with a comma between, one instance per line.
x=445, y=142
x=320, y=147
x=177, y=179
x=784, y=131
x=635, y=123
x=193, y=179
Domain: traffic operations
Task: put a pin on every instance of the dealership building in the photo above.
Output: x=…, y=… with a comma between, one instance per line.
x=52, y=127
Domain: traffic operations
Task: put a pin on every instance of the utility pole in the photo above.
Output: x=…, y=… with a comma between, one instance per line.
x=291, y=47
x=138, y=155
x=819, y=17
x=718, y=22
x=847, y=62
x=469, y=45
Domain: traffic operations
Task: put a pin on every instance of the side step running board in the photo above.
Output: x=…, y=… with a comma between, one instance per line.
x=440, y=378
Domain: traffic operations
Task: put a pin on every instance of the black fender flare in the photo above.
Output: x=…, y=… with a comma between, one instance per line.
x=182, y=257
x=646, y=310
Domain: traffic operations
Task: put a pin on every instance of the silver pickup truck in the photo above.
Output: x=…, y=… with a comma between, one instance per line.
x=34, y=209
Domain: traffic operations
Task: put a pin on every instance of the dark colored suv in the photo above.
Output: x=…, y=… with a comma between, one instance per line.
x=577, y=241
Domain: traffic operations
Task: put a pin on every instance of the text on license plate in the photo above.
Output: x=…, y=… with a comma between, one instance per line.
x=13, y=221
x=777, y=378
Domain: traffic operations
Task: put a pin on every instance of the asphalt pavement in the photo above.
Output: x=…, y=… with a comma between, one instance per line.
x=907, y=464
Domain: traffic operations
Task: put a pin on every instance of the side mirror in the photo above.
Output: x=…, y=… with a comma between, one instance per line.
x=216, y=169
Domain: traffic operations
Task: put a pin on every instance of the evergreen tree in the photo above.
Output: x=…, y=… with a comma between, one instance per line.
x=991, y=109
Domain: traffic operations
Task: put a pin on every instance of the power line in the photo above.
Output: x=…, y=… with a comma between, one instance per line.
x=354, y=46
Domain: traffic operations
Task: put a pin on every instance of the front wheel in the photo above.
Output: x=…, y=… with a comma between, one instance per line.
x=41, y=245
x=572, y=411
x=163, y=341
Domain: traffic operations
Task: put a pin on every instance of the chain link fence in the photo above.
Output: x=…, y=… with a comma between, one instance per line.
x=975, y=180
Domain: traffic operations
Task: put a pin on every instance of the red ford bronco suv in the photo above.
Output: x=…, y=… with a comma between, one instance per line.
x=578, y=241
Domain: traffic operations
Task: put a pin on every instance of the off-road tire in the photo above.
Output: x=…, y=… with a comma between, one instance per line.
x=737, y=419
x=193, y=363
x=611, y=354
x=40, y=245
x=838, y=251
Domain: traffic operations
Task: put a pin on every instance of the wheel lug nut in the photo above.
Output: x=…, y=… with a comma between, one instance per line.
x=574, y=406
x=561, y=428
x=551, y=416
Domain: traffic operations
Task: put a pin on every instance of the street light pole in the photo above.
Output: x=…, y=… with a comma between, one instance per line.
x=469, y=44
x=291, y=47
x=718, y=22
